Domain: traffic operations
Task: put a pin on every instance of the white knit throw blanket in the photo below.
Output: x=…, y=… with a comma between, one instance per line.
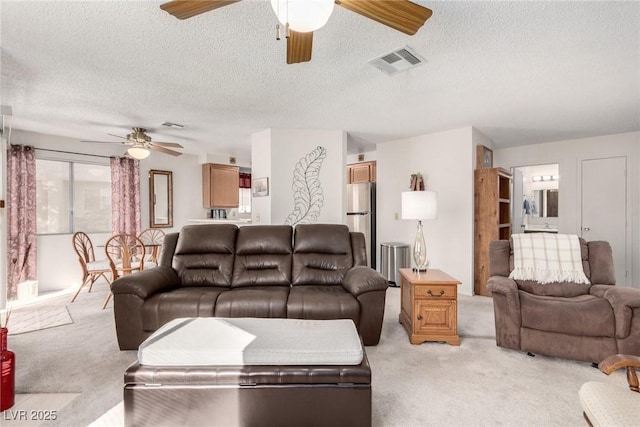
x=547, y=258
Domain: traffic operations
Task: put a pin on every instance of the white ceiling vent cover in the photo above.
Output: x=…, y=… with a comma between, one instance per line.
x=400, y=59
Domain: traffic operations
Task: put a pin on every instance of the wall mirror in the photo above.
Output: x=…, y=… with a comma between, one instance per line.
x=545, y=202
x=160, y=199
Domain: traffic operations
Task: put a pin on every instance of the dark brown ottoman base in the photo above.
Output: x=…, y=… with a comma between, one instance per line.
x=319, y=395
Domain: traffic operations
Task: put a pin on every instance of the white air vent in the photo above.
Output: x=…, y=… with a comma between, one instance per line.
x=400, y=59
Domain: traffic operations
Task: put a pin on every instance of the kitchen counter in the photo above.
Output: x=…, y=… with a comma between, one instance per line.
x=237, y=221
x=540, y=229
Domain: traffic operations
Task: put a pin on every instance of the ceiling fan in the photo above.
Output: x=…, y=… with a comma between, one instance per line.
x=141, y=144
x=401, y=15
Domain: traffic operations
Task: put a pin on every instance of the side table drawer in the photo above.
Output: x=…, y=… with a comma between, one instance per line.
x=436, y=291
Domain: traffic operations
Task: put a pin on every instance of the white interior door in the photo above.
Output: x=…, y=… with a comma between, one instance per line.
x=604, y=207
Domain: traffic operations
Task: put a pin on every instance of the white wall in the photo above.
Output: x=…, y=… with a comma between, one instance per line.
x=275, y=153
x=58, y=266
x=569, y=155
x=261, y=168
x=446, y=162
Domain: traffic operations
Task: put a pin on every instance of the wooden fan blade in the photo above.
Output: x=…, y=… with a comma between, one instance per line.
x=152, y=146
x=401, y=15
x=168, y=144
x=299, y=47
x=183, y=9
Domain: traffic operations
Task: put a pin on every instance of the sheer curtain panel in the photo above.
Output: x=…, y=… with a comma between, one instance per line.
x=125, y=196
x=21, y=217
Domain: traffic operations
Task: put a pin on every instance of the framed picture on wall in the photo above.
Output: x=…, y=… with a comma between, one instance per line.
x=484, y=157
x=260, y=187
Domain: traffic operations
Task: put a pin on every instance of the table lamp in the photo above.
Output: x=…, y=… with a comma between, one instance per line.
x=419, y=205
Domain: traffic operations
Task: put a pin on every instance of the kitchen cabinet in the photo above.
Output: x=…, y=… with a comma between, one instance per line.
x=492, y=219
x=220, y=186
x=361, y=172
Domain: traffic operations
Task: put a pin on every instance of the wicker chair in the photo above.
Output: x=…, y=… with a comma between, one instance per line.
x=125, y=253
x=152, y=239
x=91, y=269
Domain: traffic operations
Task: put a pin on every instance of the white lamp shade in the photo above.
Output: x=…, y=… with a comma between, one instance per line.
x=138, y=153
x=419, y=205
x=303, y=16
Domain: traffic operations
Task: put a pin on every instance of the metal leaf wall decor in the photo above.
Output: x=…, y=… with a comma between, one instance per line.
x=307, y=189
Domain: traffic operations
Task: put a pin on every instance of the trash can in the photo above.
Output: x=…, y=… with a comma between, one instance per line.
x=393, y=256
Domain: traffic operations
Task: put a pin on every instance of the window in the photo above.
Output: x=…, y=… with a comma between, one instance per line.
x=72, y=197
x=245, y=200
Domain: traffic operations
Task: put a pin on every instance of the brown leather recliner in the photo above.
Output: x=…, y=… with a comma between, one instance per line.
x=315, y=271
x=568, y=320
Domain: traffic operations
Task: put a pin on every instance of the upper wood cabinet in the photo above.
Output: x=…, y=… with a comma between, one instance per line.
x=361, y=172
x=492, y=219
x=220, y=186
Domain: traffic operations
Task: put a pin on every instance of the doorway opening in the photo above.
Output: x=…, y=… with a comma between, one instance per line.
x=535, y=198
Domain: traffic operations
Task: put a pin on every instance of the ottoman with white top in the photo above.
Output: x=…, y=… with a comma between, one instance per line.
x=250, y=372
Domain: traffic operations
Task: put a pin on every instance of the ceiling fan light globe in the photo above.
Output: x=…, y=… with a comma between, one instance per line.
x=303, y=16
x=138, y=153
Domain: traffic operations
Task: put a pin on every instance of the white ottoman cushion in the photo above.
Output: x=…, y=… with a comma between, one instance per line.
x=610, y=405
x=211, y=341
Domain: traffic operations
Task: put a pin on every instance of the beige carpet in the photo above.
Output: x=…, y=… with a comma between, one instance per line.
x=28, y=319
x=37, y=409
x=474, y=384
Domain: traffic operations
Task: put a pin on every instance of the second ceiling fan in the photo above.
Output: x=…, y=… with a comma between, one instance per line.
x=401, y=15
x=141, y=144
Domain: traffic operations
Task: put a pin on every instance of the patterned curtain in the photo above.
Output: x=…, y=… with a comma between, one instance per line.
x=21, y=217
x=245, y=180
x=125, y=195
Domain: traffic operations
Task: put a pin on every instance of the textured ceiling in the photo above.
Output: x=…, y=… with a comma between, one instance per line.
x=520, y=72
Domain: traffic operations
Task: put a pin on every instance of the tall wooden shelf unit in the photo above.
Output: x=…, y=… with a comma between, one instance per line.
x=492, y=213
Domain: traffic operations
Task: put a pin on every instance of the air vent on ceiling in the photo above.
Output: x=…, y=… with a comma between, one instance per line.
x=400, y=59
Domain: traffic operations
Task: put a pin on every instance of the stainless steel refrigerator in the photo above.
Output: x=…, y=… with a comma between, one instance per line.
x=361, y=215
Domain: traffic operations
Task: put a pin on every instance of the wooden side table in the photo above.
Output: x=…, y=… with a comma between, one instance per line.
x=429, y=306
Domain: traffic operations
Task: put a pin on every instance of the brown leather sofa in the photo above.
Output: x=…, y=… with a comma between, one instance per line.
x=568, y=320
x=315, y=271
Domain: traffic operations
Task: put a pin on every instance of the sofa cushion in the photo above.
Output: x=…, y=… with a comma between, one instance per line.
x=583, y=315
x=601, y=261
x=251, y=341
x=556, y=289
x=263, y=256
x=255, y=301
x=204, y=254
x=321, y=254
x=182, y=302
x=322, y=302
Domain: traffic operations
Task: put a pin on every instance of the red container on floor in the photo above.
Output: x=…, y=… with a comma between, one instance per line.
x=7, y=372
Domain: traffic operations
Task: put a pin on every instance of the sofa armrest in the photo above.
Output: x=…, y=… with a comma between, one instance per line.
x=361, y=279
x=623, y=301
x=147, y=282
x=507, y=287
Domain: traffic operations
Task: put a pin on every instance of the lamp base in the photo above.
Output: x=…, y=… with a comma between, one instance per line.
x=420, y=270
